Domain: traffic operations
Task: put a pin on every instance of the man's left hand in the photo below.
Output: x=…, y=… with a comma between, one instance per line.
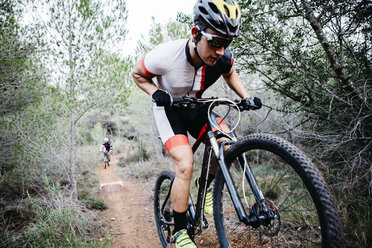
x=252, y=103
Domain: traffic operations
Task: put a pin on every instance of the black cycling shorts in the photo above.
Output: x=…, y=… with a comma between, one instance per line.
x=175, y=122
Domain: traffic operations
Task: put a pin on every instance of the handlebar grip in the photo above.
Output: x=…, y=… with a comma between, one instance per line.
x=177, y=100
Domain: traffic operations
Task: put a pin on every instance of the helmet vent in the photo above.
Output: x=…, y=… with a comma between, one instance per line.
x=227, y=11
x=232, y=28
x=213, y=7
x=203, y=10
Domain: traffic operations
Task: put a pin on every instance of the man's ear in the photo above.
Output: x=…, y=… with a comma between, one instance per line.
x=194, y=32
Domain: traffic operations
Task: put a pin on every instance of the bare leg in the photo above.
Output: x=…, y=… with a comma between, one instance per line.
x=182, y=157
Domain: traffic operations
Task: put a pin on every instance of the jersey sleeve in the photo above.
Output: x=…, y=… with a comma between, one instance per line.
x=155, y=62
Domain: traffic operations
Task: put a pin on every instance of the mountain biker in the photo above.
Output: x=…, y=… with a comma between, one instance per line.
x=106, y=147
x=187, y=67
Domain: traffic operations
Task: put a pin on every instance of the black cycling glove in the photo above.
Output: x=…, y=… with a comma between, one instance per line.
x=162, y=98
x=252, y=103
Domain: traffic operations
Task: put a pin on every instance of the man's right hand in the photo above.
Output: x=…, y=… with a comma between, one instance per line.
x=162, y=98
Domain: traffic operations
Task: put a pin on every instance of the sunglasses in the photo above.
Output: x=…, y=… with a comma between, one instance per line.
x=216, y=40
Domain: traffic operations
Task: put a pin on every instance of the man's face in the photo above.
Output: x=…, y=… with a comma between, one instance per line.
x=209, y=52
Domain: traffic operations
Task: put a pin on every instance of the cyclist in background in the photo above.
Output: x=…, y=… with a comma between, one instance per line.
x=187, y=67
x=106, y=147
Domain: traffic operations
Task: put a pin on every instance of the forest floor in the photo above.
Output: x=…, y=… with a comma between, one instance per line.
x=129, y=214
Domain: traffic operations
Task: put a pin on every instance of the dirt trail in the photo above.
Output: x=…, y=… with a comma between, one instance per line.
x=130, y=212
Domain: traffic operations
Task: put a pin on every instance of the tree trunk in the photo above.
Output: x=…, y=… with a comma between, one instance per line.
x=73, y=181
x=336, y=64
x=73, y=157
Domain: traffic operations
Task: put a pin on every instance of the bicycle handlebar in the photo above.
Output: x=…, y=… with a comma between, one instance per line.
x=189, y=101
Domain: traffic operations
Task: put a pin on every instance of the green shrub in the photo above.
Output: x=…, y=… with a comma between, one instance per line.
x=65, y=227
x=356, y=218
x=95, y=204
x=57, y=222
x=55, y=226
x=138, y=154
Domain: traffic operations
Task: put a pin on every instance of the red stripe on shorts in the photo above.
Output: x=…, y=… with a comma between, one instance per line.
x=176, y=140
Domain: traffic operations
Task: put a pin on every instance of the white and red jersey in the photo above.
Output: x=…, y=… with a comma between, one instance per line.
x=171, y=64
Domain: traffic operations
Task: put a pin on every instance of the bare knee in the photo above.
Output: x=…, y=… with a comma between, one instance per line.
x=183, y=162
x=184, y=170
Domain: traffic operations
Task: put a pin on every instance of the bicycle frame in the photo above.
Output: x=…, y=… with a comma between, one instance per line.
x=218, y=149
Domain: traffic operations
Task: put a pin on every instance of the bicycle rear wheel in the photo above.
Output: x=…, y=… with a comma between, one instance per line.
x=290, y=184
x=105, y=161
x=163, y=208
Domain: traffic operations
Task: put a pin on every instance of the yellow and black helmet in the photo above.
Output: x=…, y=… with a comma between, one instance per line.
x=223, y=16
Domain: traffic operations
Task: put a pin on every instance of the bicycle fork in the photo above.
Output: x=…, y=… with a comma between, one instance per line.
x=253, y=219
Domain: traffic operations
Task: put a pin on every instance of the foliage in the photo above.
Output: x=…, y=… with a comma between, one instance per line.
x=29, y=116
x=357, y=218
x=55, y=221
x=159, y=33
x=40, y=148
x=186, y=19
x=95, y=204
x=18, y=80
x=53, y=71
x=139, y=153
x=135, y=166
x=81, y=43
x=17, y=61
x=97, y=133
x=59, y=228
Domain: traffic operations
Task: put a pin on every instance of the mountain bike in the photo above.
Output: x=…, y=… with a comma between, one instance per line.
x=105, y=159
x=266, y=191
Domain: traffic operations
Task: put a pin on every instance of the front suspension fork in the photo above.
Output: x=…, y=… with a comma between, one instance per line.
x=253, y=219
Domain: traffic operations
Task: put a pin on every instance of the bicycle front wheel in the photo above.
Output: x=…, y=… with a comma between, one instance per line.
x=291, y=185
x=163, y=208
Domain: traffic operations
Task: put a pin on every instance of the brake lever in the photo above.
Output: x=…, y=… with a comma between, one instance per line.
x=240, y=104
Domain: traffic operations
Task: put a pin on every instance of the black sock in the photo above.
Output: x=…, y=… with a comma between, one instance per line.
x=180, y=221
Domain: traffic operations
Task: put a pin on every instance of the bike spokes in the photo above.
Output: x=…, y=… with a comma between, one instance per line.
x=291, y=219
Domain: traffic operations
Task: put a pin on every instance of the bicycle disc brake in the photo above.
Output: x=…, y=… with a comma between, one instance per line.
x=271, y=227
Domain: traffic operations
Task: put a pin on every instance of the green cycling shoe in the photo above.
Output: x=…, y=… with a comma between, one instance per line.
x=208, y=204
x=183, y=240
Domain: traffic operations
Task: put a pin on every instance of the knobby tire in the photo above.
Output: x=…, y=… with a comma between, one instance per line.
x=161, y=189
x=307, y=212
